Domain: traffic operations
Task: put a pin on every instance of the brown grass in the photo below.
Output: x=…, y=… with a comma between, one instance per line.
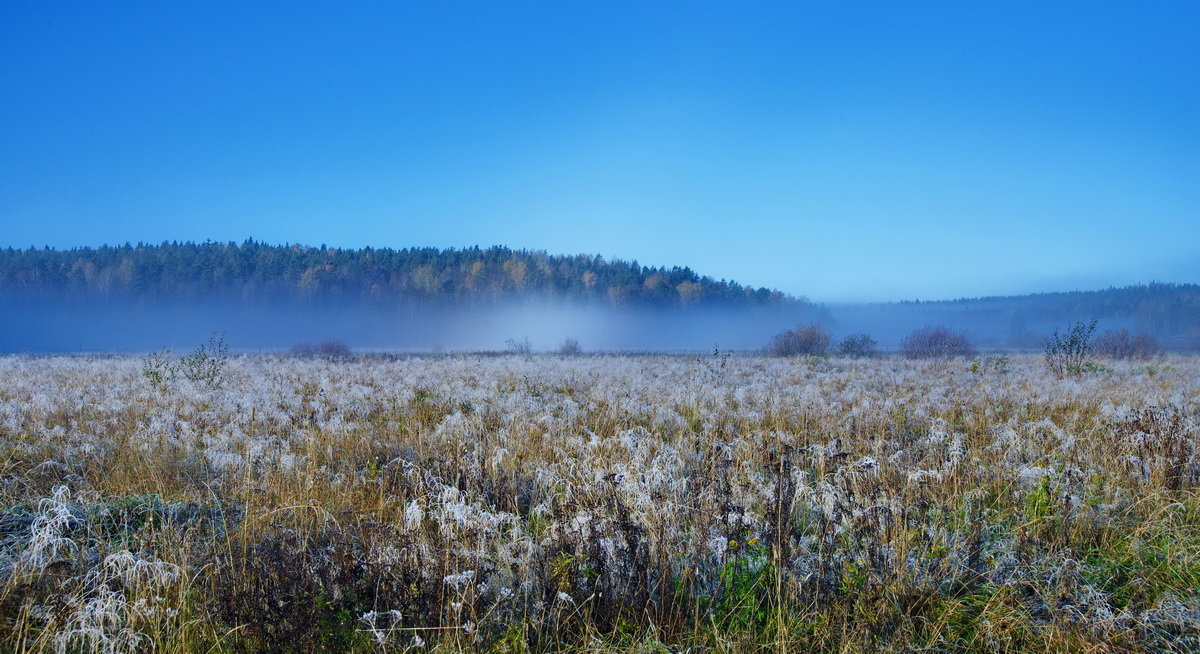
x=599, y=504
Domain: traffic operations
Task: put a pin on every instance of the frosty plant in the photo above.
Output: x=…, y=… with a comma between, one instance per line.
x=610, y=503
x=1066, y=353
x=206, y=366
x=157, y=368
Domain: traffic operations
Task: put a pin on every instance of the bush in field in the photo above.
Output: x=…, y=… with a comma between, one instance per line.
x=806, y=339
x=158, y=368
x=206, y=365
x=1066, y=353
x=327, y=349
x=521, y=346
x=570, y=348
x=936, y=343
x=1120, y=344
x=858, y=345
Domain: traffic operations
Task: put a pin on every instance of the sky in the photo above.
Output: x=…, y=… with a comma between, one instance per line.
x=839, y=151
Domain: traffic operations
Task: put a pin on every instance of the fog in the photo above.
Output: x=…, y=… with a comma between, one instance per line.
x=40, y=325
x=996, y=329
x=93, y=326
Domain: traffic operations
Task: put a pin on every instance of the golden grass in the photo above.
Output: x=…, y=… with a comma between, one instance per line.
x=599, y=504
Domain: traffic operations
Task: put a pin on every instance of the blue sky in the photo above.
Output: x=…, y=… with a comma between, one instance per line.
x=843, y=151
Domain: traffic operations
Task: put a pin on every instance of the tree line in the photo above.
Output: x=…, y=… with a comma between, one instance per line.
x=253, y=271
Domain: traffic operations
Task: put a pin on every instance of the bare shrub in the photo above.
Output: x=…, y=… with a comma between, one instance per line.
x=328, y=349
x=521, y=346
x=1066, y=353
x=936, y=343
x=806, y=339
x=1120, y=344
x=858, y=345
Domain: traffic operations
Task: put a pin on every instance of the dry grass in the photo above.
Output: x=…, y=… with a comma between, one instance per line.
x=600, y=504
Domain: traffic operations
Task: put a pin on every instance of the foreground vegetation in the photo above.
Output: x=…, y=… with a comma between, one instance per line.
x=539, y=503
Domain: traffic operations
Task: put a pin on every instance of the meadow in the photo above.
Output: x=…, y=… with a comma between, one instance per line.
x=700, y=503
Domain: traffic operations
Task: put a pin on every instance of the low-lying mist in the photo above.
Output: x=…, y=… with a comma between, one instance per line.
x=59, y=326
x=889, y=324
x=33, y=323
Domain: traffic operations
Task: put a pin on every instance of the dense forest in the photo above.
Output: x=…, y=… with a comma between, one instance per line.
x=251, y=272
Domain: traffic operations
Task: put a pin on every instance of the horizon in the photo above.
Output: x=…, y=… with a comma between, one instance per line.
x=702, y=273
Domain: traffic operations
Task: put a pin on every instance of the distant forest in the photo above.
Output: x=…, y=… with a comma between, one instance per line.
x=273, y=295
x=1170, y=312
x=1156, y=307
x=252, y=272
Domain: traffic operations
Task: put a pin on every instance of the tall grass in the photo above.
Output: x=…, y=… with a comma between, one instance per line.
x=529, y=504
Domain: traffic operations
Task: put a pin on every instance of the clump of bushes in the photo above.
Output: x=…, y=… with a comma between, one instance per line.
x=204, y=367
x=936, y=343
x=1066, y=353
x=858, y=346
x=1120, y=344
x=810, y=340
x=327, y=349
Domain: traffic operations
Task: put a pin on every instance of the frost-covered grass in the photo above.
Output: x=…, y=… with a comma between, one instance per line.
x=600, y=503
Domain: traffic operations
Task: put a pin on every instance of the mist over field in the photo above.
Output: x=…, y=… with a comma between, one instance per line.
x=40, y=326
x=272, y=297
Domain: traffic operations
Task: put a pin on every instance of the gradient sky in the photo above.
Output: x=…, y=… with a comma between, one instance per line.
x=843, y=151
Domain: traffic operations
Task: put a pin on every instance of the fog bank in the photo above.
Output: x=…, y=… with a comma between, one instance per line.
x=92, y=326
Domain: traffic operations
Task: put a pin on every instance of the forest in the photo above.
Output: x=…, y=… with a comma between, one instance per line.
x=253, y=272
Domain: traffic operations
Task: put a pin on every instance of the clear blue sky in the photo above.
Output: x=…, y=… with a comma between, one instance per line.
x=843, y=151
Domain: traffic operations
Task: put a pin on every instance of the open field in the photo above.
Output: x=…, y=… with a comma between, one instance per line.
x=599, y=503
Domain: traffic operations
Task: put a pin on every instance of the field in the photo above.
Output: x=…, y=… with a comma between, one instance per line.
x=598, y=503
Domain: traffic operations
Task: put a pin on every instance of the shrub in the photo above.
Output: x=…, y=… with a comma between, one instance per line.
x=520, y=346
x=206, y=365
x=858, y=345
x=570, y=348
x=328, y=349
x=936, y=343
x=1121, y=344
x=158, y=368
x=806, y=339
x=1066, y=354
